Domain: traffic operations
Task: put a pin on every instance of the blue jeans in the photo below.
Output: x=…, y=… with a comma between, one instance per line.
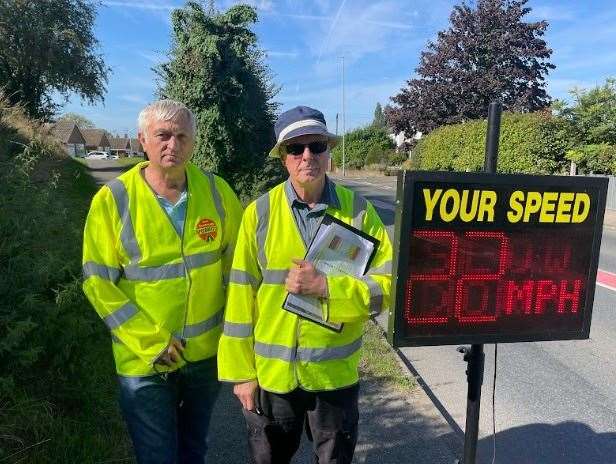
x=168, y=417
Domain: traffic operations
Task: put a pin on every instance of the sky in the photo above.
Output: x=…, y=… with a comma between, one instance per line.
x=379, y=41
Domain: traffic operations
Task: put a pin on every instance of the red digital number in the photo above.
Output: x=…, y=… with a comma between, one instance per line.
x=435, y=281
x=476, y=277
x=474, y=287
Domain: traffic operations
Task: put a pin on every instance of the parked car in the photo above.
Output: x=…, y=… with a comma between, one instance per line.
x=97, y=155
x=114, y=156
x=392, y=170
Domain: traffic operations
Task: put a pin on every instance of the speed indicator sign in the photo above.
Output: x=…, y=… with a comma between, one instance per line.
x=487, y=258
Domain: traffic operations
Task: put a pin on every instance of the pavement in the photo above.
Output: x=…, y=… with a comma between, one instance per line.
x=105, y=170
x=609, y=220
x=393, y=429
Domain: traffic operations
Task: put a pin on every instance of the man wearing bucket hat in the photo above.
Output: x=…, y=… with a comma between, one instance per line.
x=288, y=370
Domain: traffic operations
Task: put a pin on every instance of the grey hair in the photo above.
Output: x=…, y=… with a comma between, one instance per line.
x=165, y=110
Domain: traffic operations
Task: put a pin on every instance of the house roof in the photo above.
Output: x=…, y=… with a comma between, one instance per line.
x=96, y=138
x=135, y=145
x=119, y=143
x=67, y=132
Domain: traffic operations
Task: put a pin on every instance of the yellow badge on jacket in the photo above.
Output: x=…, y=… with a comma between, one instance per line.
x=207, y=230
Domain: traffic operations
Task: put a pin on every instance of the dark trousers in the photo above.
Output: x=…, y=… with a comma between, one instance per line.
x=168, y=416
x=330, y=419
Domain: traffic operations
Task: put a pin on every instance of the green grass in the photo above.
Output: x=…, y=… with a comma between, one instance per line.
x=129, y=161
x=379, y=361
x=70, y=425
x=58, y=384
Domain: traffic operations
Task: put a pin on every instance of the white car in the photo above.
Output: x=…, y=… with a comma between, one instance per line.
x=97, y=155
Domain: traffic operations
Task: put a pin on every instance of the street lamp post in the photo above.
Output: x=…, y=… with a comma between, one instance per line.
x=343, y=124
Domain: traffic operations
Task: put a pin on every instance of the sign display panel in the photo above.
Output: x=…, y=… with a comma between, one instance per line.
x=485, y=258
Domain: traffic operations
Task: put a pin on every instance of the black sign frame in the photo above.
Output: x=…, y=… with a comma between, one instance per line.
x=404, y=227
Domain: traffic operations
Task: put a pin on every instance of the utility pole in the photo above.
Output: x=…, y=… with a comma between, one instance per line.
x=343, y=123
x=331, y=160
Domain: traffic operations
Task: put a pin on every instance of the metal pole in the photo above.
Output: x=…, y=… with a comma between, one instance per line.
x=494, y=119
x=343, y=123
x=331, y=160
x=475, y=356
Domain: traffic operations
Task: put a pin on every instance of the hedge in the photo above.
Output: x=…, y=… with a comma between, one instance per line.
x=360, y=143
x=533, y=143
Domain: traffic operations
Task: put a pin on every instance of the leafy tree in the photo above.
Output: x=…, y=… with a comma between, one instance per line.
x=81, y=121
x=599, y=158
x=48, y=47
x=593, y=114
x=369, y=142
x=488, y=53
x=216, y=68
x=379, y=117
x=590, y=127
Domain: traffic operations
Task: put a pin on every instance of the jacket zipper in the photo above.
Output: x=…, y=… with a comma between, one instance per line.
x=295, y=360
x=186, y=273
x=186, y=270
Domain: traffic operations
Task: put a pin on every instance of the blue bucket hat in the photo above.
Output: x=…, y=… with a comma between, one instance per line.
x=301, y=120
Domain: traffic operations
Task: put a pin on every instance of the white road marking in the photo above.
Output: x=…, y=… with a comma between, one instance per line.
x=606, y=279
x=365, y=182
x=383, y=204
x=609, y=287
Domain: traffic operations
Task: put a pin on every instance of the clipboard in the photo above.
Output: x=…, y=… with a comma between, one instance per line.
x=309, y=307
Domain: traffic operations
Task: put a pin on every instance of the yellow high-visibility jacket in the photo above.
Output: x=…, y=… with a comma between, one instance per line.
x=150, y=284
x=281, y=350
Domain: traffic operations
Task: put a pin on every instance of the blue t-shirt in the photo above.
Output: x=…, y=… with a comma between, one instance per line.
x=176, y=212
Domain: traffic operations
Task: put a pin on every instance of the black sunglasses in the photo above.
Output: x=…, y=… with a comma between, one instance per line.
x=297, y=149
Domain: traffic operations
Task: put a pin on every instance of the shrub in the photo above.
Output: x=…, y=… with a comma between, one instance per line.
x=533, y=143
x=363, y=142
x=375, y=156
x=396, y=158
x=594, y=158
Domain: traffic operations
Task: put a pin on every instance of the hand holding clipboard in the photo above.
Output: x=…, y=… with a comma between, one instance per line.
x=336, y=249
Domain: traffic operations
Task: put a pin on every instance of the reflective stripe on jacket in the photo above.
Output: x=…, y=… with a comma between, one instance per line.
x=281, y=350
x=148, y=283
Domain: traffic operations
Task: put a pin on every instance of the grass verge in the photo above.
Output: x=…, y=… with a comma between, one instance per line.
x=129, y=161
x=57, y=383
x=379, y=361
x=57, y=392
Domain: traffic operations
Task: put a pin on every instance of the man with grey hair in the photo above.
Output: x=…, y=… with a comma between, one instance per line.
x=158, y=245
